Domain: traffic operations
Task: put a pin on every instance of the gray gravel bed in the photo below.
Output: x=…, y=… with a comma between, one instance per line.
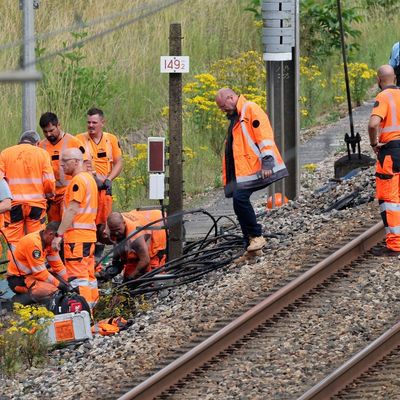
x=303, y=230
x=301, y=348
x=379, y=382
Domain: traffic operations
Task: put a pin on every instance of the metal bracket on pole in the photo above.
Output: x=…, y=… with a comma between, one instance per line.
x=20, y=76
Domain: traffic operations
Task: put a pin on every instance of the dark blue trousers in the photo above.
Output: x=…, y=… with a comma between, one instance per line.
x=245, y=213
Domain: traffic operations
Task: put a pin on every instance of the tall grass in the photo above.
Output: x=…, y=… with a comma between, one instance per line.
x=211, y=30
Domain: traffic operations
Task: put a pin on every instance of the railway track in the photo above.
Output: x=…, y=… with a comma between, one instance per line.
x=372, y=373
x=180, y=377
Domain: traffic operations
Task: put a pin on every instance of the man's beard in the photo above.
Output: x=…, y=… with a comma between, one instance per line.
x=52, y=139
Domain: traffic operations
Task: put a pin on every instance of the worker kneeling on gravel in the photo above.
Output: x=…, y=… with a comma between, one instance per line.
x=141, y=253
x=27, y=273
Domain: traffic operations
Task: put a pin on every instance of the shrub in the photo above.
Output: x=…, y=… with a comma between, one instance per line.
x=23, y=339
x=361, y=78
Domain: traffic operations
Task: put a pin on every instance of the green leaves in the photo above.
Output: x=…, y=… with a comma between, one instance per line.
x=320, y=31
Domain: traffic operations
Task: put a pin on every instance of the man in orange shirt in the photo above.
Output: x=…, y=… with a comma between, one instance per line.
x=55, y=144
x=78, y=227
x=27, y=274
x=104, y=154
x=28, y=172
x=384, y=136
x=142, y=252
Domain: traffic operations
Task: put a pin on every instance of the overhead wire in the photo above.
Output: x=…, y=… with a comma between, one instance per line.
x=98, y=35
x=79, y=25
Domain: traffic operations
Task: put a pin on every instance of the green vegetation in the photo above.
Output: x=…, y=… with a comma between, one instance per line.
x=120, y=71
x=23, y=338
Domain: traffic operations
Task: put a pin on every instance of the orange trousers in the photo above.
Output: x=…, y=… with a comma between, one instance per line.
x=23, y=219
x=388, y=192
x=104, y=207
x=79, y=262
x=155, y=262
x=54, y=208
x=28, y=284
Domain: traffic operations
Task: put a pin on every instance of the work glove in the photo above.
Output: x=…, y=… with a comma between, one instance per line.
x=99, y=182
x=64, y=287
x=107, y=185
x=112, y=271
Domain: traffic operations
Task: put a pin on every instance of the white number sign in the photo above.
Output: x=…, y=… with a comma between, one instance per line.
x=174, y=64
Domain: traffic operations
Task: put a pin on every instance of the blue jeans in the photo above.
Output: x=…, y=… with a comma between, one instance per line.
x=245, y=213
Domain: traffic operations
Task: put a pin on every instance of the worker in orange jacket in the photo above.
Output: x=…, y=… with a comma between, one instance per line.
x=27, y=274
x=28, y=172
x=143, y=252
x=78, y=226
x=384, y=136
x=55, y=143
x=104, y=157
x=251, y=161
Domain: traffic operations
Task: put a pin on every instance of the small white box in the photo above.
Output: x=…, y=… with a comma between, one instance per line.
x=156, y=186
x=70, y=327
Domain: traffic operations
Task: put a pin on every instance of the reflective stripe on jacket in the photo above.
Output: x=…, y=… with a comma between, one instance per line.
x=30, y=259
x=29, y=174
x=253, y=140
x=83, y=189
x=387, y=106
x=158, y=236
x=92, y=155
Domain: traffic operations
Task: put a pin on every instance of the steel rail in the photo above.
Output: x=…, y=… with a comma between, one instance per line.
x=273, y=304
x=355, y=366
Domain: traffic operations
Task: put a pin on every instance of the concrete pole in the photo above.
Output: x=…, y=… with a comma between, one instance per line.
x=175, y=180
x=29, y=88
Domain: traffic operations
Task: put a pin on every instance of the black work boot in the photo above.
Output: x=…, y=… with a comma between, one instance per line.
x=384, y=252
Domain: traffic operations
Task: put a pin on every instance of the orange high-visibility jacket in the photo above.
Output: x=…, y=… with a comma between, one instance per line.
x=158, y=237
x=253, y=139
x=30, y=259
x=56, y=151
x=387, y=106
x=29, y=174
x=102, y=154
x=82, y=189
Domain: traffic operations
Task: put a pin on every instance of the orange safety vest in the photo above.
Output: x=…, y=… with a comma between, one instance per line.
x=253, y=139
x=56, y=151
x=29, y=174
x=387, y=106
x=30, y=259
x=102, y=153
x=158, y=236
x=82, y=188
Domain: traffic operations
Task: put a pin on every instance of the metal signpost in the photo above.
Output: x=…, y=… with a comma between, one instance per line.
x=29, y=89
x=281, y=53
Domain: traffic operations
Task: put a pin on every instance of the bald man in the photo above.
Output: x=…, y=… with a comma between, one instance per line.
x=251, y=161
x=142, y=252
x=384, y=136
x=78, y=225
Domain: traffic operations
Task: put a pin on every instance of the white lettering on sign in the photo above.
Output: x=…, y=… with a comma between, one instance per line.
x=174, y=64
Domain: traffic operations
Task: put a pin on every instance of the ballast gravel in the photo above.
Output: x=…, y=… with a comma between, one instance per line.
x=297, y=231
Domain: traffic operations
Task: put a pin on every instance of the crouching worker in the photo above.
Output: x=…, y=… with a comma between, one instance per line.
x=141, y=253
x=27, y=274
